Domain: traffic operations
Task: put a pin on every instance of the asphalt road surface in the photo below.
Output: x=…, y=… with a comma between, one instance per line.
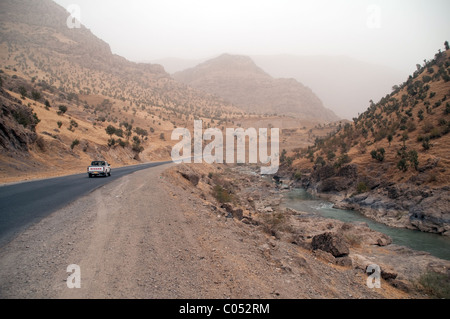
x=23, y=204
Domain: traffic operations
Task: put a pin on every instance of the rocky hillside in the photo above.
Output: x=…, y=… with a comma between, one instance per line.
x=17, y=125
x=77, y=88
x=392, y=162
x=36, y=40
x=239, y=80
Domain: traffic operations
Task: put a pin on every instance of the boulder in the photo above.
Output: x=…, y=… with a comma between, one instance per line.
x=332, y=243
x=432, y=214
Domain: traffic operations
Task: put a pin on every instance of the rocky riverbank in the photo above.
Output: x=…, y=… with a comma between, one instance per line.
x=407, y=205
x=240, y=193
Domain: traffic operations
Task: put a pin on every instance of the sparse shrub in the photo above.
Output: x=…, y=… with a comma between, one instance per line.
x=119, y=132
x=378, y=154
x=413, y=157
x=426, y=144
x=297, y=175
x=25, y=118
x=330, y=155
x=40, y=143
x=59, y=123
x=121, y=143
x=73, y=123
x=22, y=91
x=221, y=194
x=435, y=284
x=402, y=165
x=420, y=115
x=342, y=160
x=361, y=188
x=138, y=148
x=435, y=133
x=74, y=143
x=427, y=78
x=35, y=95
x=140, y=131
x=320, y=161
x=390, y=138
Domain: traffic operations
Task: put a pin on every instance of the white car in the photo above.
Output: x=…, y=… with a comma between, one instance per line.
x=99, y=168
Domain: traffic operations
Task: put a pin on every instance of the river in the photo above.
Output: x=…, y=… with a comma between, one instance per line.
x=436, y=245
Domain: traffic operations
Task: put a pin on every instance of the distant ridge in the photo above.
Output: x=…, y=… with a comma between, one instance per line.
x=240, y=81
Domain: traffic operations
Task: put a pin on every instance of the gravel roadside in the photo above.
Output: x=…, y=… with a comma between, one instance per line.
x=145, y=237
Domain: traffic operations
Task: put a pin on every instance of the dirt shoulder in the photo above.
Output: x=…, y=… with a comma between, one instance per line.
x=151, y=235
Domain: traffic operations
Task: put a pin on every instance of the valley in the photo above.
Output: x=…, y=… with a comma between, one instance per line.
x=224, y=228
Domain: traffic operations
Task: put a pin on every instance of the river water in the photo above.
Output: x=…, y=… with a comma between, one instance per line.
x=436, y=245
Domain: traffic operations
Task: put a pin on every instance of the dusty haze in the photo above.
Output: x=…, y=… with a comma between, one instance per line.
x=391, y=35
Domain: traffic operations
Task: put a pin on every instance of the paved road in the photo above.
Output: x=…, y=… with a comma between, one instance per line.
x=24, y=204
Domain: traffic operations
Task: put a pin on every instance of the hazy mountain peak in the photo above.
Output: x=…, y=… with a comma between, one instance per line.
x=238, y=79
x=231, y=63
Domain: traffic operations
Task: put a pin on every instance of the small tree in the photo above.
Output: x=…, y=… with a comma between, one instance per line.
x=378, y=154
x=389, y=138
x=35, y=95
x=405, y=137
x=62, y=109
x=426, y=144
x=402, y=165
x=110, y=130
x=59, y=123
x=413, y=158
x=320, y=161
x=447, y=47
x=23, y=92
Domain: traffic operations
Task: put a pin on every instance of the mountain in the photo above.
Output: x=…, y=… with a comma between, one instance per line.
x=392, y=162
x=36, y=40
x=345, y=85
x=239, y=80
x=62, y=87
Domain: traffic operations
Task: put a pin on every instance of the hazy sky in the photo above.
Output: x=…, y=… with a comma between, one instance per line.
x=396, y=33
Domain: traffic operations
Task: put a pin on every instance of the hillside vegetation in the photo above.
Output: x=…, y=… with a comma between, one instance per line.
x=88, y=103
x=392, y=162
